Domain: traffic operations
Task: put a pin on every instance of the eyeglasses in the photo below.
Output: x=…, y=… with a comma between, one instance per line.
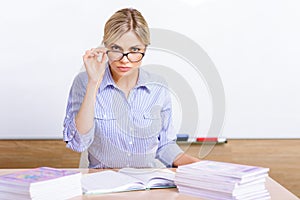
x=131, y=56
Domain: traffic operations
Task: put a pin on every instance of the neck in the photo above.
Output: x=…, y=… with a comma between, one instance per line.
x=126, y=82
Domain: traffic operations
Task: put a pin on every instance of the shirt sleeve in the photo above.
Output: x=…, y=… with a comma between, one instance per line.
x=168, y=149
x=76, y=141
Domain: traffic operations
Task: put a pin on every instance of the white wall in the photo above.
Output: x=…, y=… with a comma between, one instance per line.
x=253, y=43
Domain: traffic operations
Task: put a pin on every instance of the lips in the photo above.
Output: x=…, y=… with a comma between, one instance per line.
x=124, y=68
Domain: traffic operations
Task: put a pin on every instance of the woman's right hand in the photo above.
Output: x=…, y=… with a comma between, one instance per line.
x=94, y=63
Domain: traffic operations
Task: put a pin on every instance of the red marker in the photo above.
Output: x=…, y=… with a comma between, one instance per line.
x=210, y=139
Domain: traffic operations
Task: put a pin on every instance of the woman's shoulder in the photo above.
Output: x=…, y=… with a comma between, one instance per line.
x=151, y=77
x=81, y=75
x=81, y=78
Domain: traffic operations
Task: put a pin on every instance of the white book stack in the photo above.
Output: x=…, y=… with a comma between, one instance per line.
x=42, y=183
x=222, y=181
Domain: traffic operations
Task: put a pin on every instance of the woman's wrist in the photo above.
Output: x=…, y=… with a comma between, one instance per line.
x=183, y=159
x=93, y=86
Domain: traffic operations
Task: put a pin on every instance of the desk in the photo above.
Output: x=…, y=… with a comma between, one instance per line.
x=277, y=192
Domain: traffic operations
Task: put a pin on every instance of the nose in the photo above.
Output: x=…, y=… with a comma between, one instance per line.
x=124, y=59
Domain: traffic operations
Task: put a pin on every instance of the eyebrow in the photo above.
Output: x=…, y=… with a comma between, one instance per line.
x=135, y=46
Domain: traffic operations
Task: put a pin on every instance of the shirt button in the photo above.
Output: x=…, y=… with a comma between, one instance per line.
x=130, y=142
x=129, y=154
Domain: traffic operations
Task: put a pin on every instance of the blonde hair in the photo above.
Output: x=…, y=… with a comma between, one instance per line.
x=122, y=21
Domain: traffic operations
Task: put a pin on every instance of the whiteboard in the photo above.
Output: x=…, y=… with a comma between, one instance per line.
x=254, y=45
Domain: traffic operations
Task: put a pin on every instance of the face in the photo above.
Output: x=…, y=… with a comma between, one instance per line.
x=127, y=66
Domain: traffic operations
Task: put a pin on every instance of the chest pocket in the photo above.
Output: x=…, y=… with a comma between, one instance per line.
x=105, y=116
x=105, y=124
x=139, y=124
x=152, y=116
x=147, y=124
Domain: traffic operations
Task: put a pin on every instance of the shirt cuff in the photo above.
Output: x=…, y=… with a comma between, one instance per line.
x=168, y=153
x=79, y=142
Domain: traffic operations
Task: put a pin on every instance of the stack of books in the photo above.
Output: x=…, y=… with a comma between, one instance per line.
x=41, y=183
x=222, y=181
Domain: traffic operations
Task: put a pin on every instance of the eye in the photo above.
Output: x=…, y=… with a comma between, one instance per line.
x=115, y=48
x=135, y=49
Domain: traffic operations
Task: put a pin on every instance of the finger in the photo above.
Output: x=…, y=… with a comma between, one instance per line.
x=86, y=55
x=100, y=50
x=104, y=56
x=93, y=53
x=101, y=57
x=87, y=58
x=90, y=54
x=96, y=53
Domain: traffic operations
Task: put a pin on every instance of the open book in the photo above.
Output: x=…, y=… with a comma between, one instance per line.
x=127, y=179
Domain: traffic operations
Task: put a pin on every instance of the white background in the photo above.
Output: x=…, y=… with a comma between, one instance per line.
x=254, y=44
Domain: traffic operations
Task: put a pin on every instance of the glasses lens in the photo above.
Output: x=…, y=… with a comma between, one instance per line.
x=114, y=55
x=132, y=56
x=135, y=56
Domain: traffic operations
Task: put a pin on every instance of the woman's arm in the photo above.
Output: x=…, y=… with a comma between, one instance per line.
x=183, y=159
x=79, y=120
x=76, y=141
x=169, y=152
x=84, y=119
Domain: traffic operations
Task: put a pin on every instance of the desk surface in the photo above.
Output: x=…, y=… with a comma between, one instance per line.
x=277, y=192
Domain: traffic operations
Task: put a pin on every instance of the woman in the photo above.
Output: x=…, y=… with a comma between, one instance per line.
x=119, y=112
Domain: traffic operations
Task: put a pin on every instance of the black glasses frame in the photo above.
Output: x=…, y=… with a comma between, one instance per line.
x=126, y=54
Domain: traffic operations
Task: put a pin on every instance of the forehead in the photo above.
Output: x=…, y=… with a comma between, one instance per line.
x=128, y=40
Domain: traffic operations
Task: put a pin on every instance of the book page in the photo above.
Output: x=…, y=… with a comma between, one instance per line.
x=152, y=178
x=109, y=181
x=224, y=169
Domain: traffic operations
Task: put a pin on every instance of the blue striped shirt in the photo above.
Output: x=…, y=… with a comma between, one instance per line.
x=127, y=132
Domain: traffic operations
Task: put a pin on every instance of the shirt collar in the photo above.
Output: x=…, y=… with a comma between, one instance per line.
x=107, y=79
x=142, y=82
